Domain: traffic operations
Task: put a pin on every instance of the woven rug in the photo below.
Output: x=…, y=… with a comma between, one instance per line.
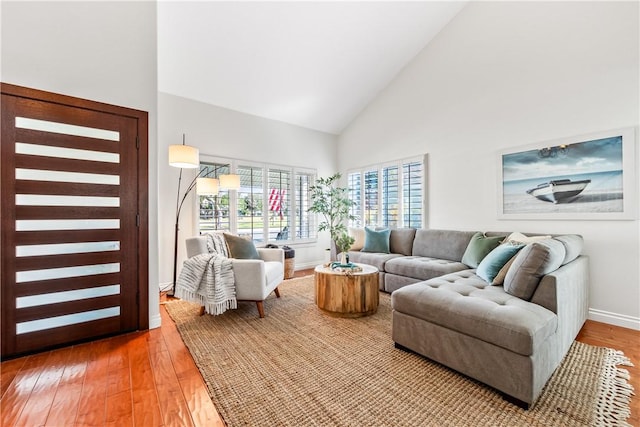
x=300, y=367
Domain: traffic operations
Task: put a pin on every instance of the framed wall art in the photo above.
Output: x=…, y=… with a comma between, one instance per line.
x=588, y=177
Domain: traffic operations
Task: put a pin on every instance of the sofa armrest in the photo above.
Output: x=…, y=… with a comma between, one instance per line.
x=196, y=246
x=271, y=254
x=566, y=293
x=248, y=270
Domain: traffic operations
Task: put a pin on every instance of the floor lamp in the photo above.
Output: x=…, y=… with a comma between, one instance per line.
x=187, y=157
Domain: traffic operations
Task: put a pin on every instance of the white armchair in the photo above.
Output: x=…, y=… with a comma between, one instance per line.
x=255, y=279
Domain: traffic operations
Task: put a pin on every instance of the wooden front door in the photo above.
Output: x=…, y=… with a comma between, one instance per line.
x=74, y=220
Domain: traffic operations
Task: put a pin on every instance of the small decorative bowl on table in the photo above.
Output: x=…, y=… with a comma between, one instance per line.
x=349, y=267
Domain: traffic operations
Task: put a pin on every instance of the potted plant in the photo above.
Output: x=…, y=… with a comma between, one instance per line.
x=333, y=203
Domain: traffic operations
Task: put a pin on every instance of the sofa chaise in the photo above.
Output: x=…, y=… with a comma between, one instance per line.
x=510, y=336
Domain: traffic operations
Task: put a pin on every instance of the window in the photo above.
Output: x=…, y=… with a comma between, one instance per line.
x=354, y=187
x=390, y=197
x=214, y=210
x=412, y=194
x=250, y=203
x=392, y=194
x=371, y=197
x=270, y=206
x=305, y=228
x=278, y=204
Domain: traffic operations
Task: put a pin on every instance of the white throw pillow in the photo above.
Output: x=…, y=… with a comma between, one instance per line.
x=358, y=234
x=517, y=237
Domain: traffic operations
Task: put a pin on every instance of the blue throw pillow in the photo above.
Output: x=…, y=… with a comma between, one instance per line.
x=376, y=241
x=491, y=264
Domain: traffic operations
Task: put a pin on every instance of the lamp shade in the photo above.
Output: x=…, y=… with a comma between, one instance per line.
x=184, y=156
x=207, y=186
x=230, y=182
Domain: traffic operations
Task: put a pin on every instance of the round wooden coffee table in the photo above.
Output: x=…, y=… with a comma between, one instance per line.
x=347, y=294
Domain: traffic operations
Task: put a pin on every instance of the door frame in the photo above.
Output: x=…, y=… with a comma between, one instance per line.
x=143, y=177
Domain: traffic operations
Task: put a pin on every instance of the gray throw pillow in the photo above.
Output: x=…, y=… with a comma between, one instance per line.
x=401, y=240
x=240, y=248
x=532, y=262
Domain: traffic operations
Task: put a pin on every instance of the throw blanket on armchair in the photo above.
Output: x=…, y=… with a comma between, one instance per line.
x=208, y=279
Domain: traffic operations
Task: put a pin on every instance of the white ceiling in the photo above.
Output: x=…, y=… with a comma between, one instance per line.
x=312, y=64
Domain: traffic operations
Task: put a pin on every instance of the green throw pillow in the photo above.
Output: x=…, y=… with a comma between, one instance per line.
x=376, y=241
x=241, y=248
x=496, y=259
x=478, y=248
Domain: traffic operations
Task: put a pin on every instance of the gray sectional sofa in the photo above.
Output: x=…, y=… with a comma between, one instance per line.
x=508, y=336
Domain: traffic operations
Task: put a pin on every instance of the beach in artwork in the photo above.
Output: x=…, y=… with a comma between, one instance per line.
x=598, y=160
x=603, y=195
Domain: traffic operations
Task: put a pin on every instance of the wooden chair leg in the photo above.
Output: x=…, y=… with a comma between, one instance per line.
x=202, y=310
x=260, y=308
x=277, y=292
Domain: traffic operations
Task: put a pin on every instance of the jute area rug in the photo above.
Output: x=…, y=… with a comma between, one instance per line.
x=301, y=367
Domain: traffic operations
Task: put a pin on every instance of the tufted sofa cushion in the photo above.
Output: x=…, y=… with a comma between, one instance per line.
x=422, y=268
x=465, y=303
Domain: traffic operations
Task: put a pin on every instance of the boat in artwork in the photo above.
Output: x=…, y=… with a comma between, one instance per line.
x=558, y=190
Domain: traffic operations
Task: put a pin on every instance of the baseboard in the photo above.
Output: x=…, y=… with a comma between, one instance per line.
x=616, y=319
x=306, y=265
x=165, y=286
x=155, y=321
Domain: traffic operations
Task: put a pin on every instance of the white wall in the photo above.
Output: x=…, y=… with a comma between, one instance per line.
x=220, y=132
x=102, y=51
x=508, y=74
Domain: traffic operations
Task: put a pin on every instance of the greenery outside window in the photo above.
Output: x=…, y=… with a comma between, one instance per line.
x=215, y=210
x=270, y=206
x=250, y=203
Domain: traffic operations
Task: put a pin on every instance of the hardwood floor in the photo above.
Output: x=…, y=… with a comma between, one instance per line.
x=149, y=379
x=138, y=379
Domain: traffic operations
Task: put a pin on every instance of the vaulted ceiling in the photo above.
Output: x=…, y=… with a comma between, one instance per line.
x=311, y=64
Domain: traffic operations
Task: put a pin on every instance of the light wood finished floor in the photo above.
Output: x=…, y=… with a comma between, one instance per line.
x=149, y=379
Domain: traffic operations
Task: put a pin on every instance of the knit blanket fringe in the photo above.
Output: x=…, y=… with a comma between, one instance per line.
x=615, y=386
x=207, y=279
x=209, y=307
